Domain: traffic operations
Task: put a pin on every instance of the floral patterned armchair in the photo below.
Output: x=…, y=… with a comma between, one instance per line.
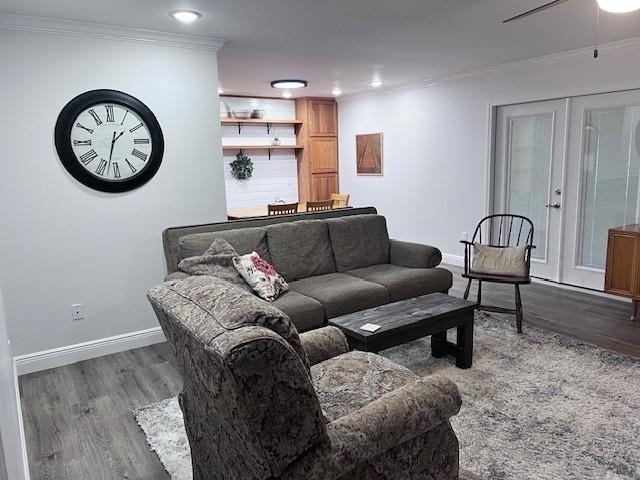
x=261, y=402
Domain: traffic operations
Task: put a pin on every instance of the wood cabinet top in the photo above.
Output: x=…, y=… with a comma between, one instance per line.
x=633, y=229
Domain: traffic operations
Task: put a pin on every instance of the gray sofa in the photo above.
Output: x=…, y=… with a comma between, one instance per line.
x=335, y=263
x=261, y=402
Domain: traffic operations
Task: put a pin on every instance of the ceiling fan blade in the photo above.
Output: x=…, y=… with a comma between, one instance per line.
x=535, y=10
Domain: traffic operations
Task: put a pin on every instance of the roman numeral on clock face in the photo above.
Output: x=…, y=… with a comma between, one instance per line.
x=88, y=157
x=81, y=142
x=101, y=167
x=135, y=128
x=79, y=125
x=109, y=109
x=141, y=141
x=133, y=169
x=141, y=155
x=116, y=170
x=95, y=116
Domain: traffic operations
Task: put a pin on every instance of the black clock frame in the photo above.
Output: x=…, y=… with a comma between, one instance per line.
x=66, y=121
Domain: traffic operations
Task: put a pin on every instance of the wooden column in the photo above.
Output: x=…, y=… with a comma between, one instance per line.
x=318, y=161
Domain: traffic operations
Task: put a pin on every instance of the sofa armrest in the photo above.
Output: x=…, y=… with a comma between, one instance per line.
x=323, y=344
x=175, y=276
x=396, y=417
x=414, y=255
x=380, y=426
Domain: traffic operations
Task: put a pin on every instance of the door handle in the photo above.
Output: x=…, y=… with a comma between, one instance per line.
x=553, y=205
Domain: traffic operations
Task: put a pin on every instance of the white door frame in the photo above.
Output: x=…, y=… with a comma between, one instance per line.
x=548, y=267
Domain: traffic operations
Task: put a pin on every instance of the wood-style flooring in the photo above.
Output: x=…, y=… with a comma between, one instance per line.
x=78, y=420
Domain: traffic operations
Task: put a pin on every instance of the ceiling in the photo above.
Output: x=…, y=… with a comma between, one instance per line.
x=346, y=43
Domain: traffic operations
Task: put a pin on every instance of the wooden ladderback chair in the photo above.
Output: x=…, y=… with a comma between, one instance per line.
x=319, y=205
x=340, y=201
x=282, y=208
x=500, y=231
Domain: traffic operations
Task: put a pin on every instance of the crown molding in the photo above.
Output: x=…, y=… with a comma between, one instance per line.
x=629, y=43
x=57, y=26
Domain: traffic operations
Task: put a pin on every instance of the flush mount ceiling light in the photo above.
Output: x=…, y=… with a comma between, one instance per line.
x=185, y=16
x=619, y=6
x=336, y=92
x=289, y=84
x=376, y=83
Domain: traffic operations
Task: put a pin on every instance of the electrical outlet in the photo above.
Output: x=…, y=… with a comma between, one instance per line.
x=465, y=236
x=77, y=311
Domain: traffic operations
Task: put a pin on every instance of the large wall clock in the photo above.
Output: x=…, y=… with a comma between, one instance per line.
x=109, y=141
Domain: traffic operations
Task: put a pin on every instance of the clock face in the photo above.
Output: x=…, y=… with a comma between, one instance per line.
x=109, y=140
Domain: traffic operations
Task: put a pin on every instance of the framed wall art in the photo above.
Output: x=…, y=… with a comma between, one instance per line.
x=369, y=154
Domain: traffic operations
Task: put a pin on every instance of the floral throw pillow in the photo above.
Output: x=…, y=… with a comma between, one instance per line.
x=261, y=276
x=216, y=261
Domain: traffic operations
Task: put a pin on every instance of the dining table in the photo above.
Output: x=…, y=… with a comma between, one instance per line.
x=263, y=211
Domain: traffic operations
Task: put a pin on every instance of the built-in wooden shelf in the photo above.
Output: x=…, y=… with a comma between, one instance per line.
x=269, y=148
x=262, y=147
x=260, y=121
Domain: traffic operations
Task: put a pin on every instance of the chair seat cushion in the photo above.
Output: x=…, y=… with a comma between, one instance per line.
x=403, y=283
x=350, y=381
x=306, y=313
x=341, y=294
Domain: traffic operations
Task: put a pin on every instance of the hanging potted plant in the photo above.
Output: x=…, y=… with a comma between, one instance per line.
x=242, y=167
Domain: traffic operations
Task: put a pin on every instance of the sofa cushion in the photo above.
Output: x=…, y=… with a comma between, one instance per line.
x=244, y=240
x=350, y=381
x=216, y=261
x=341, y=294
x=300, y=249
x=359, y=241
x=403, y=283
x=305, y=312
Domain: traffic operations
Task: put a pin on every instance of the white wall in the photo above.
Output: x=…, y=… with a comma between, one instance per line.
x=9, y=422
x=63, y=243
x=273, y=178
x=436, y=138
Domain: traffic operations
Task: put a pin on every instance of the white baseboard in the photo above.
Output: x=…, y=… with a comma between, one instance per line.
x=23, y=440
x=450, y=259
x=57, y=357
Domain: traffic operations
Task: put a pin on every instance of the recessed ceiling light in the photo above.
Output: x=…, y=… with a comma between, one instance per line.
x=336, y=92
x=185, y=16
x=619, y=6
x=376, y=83
x=289, y=84
x=286, y=94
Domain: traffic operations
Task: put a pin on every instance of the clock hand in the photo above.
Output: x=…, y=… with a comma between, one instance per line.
x=119, y=135
x=113, y=141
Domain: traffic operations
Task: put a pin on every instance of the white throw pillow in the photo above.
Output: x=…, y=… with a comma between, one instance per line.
x=261, y=276
x=509, y=261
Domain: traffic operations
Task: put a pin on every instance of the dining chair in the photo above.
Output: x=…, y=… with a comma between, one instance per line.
x=340, y=201
x=282, y=208
x=319, y=205
x=500, y=231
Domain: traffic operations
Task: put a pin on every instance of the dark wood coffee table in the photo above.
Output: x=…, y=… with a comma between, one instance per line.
x=411, y=319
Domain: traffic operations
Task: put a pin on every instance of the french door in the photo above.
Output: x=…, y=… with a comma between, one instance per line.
x=589, y=147
x=528, y=175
